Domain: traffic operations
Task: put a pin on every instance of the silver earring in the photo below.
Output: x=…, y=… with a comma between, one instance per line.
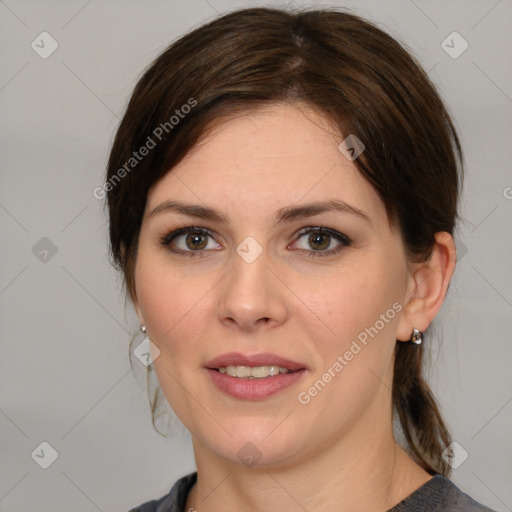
x=416, y=336
x=143, y=331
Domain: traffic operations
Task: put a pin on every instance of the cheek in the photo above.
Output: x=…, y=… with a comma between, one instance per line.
x=173, y=306
x=168, y=300
x=352, y=334
x=353, y=337
x=345, y=302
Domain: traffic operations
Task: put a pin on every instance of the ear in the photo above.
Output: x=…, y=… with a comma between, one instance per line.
x=428, y=283
x=132, y=294
x=138, y=311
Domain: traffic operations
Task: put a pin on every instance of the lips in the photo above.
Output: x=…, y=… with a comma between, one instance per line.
x=263, y=359
x=253, y=388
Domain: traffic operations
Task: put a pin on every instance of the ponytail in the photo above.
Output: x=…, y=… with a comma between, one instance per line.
x=418, y=411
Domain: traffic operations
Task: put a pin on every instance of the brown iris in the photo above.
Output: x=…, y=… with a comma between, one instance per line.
x=316, y=239
x=193, y=241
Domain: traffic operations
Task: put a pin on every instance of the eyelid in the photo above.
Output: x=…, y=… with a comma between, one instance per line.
x=342, y=239
x=169, y=237
x=166, y=240
x=324, y=230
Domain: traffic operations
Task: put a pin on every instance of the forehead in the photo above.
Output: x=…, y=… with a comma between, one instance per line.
x=273, y=157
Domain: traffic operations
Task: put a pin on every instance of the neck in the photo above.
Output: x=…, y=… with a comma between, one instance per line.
x=360, y=472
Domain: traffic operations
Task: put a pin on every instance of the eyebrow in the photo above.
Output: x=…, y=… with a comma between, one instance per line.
x=286, y=214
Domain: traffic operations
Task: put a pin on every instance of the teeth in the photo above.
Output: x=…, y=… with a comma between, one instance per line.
x=253, y=372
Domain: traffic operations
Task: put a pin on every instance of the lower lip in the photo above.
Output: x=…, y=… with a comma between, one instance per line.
x=253, y=389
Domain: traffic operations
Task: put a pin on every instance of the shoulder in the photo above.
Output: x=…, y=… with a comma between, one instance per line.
x=174, y=500
x=439, y=494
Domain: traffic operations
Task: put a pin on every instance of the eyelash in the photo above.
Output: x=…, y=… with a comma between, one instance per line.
x=344, y=240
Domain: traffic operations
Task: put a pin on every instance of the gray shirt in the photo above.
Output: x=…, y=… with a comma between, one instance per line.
x=439, y=494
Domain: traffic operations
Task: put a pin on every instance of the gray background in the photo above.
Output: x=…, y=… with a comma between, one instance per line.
x=65, y=376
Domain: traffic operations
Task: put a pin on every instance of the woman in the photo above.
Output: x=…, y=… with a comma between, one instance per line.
x=282, y=193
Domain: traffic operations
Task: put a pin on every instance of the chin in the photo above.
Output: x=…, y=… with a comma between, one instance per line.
x=261, y=443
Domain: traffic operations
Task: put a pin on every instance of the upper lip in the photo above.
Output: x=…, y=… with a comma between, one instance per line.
x=262, y=359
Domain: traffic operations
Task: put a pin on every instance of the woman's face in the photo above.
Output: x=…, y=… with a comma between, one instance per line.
x=258, y=278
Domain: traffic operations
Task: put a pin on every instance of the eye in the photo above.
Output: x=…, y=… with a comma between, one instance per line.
x=190, y=241
x=321, y=240
x=193, y=241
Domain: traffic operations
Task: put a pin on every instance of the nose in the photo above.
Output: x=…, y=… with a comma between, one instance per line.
x=251, y=296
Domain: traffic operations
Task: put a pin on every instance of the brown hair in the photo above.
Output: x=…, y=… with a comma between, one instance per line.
x=358, y=77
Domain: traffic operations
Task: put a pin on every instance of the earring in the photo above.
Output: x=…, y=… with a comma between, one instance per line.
x=146, y=338
x=416, y=336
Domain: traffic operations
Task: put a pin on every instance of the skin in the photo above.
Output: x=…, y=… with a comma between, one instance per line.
x=336, y=452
